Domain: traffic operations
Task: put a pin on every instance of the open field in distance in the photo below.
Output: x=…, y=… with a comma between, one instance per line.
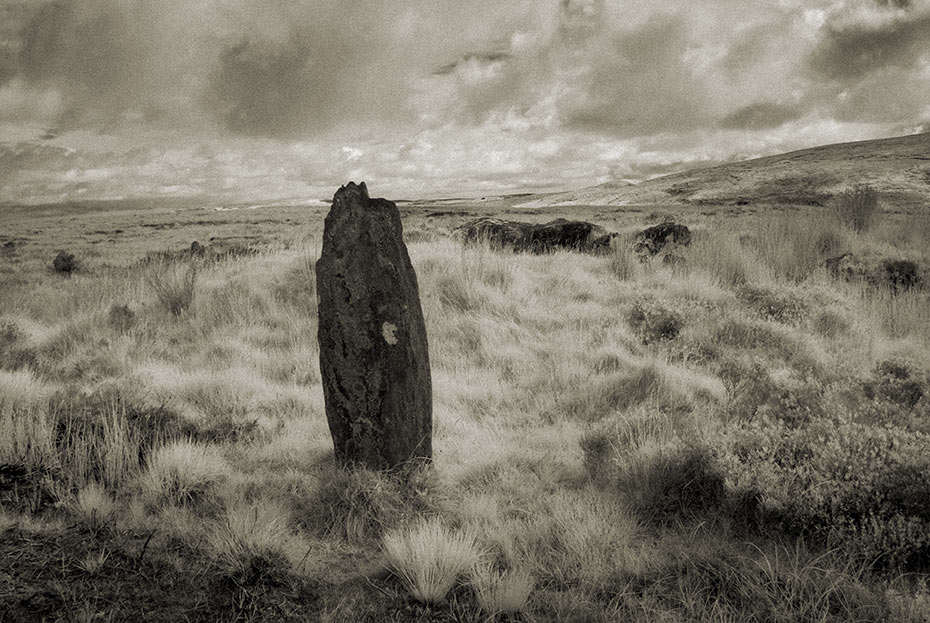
x=738, y=437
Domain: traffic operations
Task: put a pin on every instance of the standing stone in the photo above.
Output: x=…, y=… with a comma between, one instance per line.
x=374, y=359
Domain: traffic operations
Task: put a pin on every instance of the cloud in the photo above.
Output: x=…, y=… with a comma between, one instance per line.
x=850, y=51
x=759, y=116
x=424, y=97
x=641, y=82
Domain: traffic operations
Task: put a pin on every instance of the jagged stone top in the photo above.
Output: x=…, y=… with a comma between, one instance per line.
x=351, y=191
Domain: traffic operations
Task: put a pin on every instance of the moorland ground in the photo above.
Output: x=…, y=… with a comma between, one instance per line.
x=735, y=437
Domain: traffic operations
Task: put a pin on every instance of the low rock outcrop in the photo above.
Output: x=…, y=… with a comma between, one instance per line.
x=537, y=238
x=652, y=240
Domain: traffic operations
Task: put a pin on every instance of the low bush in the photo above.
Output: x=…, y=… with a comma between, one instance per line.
x=863, y=485
x=653, y=322
x=772, y=305
x=895, y=382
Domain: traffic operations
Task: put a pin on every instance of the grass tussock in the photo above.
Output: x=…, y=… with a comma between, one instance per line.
x=182, y=472
x=429, y=558
x=173, y=285
x=501, y=592
x=857, y=207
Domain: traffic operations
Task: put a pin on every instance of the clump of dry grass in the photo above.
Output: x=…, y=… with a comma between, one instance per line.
x=721, y=256
x=857, y=207
x=94, y=505
x=792, y=246
x=173, y=285
x=429, y=558
x=501, y=592
x=182, y=471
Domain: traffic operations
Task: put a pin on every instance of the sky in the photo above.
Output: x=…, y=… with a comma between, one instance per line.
x=236, y=100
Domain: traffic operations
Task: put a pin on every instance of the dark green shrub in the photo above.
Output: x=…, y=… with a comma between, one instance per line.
x=652, y=322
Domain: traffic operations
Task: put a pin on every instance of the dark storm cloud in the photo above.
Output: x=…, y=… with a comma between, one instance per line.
x=262, y=90
x=848, y=52
x=760, y=116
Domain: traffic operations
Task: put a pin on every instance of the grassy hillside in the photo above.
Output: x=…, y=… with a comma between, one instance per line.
x=733, y=438
x=899, y=168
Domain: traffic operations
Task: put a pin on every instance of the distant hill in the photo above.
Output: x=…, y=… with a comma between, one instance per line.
x=899, y=168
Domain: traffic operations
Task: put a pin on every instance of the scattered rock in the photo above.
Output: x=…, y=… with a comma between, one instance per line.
x=374, y=359
x=64, y=263
x=197, y=249
x=537, y=238
x=652, y=240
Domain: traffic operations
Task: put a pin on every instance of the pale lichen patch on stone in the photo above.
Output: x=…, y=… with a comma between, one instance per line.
x=389, y=333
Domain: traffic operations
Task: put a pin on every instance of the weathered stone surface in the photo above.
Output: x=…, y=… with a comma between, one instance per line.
x=653, y=239
x=374, y=359
x=537, y=238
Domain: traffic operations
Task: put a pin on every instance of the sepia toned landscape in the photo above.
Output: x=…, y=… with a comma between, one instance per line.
x=582, y=311
x=738, y=434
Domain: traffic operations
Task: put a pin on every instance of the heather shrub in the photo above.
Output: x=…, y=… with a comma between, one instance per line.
x=857, y=207
x=895, y=382
x=772, y=305
x=865, y=485
x=653, y=322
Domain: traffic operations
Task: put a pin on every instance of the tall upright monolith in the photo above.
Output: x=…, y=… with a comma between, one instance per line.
x=374, y=359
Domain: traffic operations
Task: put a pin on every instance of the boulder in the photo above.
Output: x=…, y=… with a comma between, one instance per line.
x=374, y=358
x=652, y=240
x=64, y=263
x=537, y=238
